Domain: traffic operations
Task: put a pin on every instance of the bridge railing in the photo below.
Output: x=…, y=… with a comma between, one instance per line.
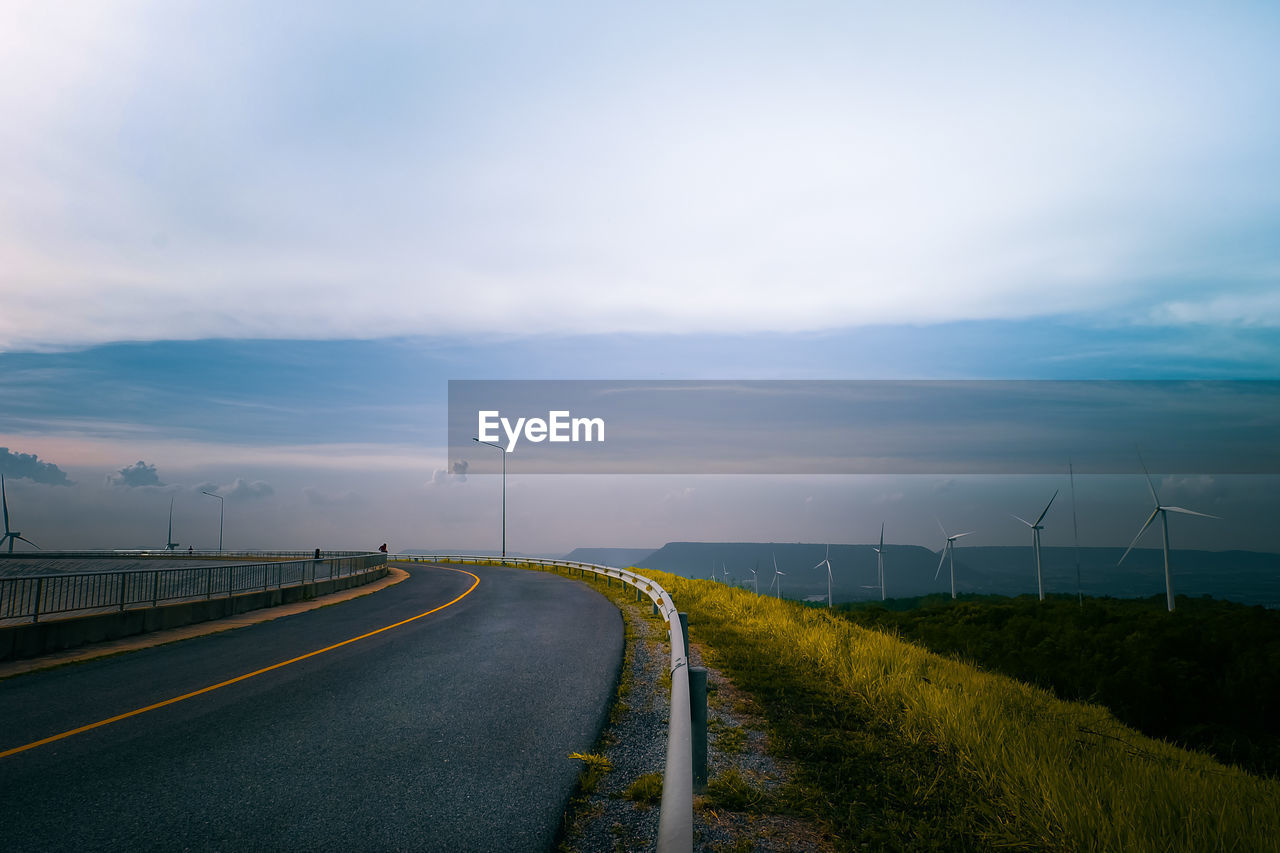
x=675, y=819
x=170, y=554
x=28, y=598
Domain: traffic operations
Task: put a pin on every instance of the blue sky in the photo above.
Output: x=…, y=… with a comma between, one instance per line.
x=249, y=245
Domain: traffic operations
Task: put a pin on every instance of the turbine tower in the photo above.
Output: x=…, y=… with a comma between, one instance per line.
x=949, y=550
x=11, y=535
x=880, y=561
x=170, y=545
x=1162, y=511
x=826, y=561
x=1035, y=541
x=777, y=576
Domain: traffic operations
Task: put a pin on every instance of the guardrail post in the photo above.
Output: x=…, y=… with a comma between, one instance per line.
x=35, y=617
x=155, y=587
x=698, y=725
x=684, y=632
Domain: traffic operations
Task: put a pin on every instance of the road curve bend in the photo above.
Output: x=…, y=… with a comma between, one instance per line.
x=436, y=715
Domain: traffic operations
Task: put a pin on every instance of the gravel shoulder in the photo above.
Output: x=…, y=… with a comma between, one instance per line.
x=618, y=811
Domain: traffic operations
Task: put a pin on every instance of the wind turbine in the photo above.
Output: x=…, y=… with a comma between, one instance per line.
x=826, y=561
x=777, y=576
x=1162, y=511
x=880, y=561
x=949, y=550
x=1075, y=533
x=1035, y=540
x=755, y=581
x=171, y=545
x=11, y=535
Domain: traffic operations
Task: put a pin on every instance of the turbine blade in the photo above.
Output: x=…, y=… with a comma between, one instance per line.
x=1147, y=474
x=5, y=498
x=1190, y=512
x=1150, y=519
x=1046, y=506
x=958, y=535
x=881, y=537
x=28, y=541
x=940, y=527
x=1023, y=520
x=941, y=560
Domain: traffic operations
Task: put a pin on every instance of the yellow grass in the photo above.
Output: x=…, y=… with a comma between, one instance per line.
x=1057, y=775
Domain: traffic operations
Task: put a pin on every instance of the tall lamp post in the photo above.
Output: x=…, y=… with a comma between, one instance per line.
x=222, y=505
x=500, y=449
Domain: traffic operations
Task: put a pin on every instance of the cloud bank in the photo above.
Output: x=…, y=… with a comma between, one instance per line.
x=28, y=465
x=136, y=475
x=366, y=173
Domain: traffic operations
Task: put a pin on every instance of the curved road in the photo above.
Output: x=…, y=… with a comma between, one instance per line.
x=448, y=732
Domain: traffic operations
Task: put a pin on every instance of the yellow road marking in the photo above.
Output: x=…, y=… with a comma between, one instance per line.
x=15, y=750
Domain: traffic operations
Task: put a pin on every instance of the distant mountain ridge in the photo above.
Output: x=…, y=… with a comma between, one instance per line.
x=616, y=557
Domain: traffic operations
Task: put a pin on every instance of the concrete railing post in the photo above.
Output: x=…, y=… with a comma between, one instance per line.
x=698, y=725
x=684, y=631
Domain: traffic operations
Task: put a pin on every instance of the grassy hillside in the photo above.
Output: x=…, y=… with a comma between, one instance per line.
x=901, y=748
x=1206, y=676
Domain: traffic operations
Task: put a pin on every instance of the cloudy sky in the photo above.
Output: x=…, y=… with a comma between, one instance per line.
x=244, y=247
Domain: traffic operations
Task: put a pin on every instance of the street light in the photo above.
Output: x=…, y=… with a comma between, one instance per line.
x=500, y=449
x=222, y=505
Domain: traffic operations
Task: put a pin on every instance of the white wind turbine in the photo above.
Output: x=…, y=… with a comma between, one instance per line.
x=949, y=550
x=1035, y=541
x=1162, y=511
x=170, y=545
x=880, y=561
x=755, y=581
x=777, y=576
x=11, y=535
x=826, y=561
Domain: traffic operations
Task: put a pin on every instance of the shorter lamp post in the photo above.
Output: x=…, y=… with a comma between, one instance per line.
x=222, y=505
x=500, y=449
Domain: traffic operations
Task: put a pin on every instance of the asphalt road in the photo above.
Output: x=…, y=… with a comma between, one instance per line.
x=450, y=732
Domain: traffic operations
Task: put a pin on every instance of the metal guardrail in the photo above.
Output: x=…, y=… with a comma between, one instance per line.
x=33, y=596
x=174, y=554
x=675, y=818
